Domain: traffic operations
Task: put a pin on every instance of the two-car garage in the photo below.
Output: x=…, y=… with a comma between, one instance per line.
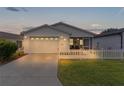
x=44, y=45
x=44, y=39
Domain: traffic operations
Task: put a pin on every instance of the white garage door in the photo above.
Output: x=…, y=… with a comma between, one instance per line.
x=44, y=45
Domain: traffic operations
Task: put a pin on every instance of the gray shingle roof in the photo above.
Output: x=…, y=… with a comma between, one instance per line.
x=110, y=32
x=45, y=25
x=53, y=27
x=74, y=27
x=12, y=36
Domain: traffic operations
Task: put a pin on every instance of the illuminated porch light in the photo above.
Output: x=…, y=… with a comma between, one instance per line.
x=64, y=39
x=25, y=37
x=41, y=38
x=32, y=38
x=37, y=38
x=51, y=38
x=46, y=38
x=56, y=38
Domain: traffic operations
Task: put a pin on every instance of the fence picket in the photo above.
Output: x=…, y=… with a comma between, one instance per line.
x=91, y=54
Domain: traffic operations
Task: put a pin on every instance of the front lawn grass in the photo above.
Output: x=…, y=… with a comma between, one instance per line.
x=91, y=72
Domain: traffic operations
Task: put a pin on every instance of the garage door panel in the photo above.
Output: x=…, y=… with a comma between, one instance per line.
x=44, y=46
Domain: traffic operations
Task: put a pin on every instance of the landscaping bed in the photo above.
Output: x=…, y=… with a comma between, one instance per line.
x=91, y=72
x=15, y=56
x=9, y=51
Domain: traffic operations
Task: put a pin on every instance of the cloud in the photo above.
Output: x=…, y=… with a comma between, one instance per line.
x=96, y=25
x=121, y=11
x=15, y=9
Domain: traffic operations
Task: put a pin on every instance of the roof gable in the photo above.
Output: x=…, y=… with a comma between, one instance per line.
x=45, y=30
x=73, y=27
x=111, y=31
x=7, y=35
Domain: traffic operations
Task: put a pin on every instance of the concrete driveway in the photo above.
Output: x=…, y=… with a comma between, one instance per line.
x=31, y=70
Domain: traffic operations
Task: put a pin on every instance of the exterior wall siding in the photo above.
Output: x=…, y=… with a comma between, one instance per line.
x=107, y=42
x=123, y=40
x=64, y=44
x=26, y=45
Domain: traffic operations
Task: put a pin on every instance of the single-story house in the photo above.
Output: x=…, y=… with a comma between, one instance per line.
x=12, y=37
x=109, y=39
x=56, y=37
x=62, y=37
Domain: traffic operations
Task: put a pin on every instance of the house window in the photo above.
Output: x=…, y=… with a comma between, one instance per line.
x=75, y=43
x=79, y=43
x=71, y=41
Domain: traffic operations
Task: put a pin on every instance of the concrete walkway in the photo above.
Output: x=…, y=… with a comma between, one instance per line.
x=31, y=70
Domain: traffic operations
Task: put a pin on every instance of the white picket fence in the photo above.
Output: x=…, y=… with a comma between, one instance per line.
x=91, y=54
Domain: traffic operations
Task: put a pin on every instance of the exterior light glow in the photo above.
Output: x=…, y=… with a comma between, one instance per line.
x=46, y=38
x=41, y=38
x=25, y=37
x=32, y=38
x=56, y=38
x=64, y=39
x=37, y=38
x=51, y=38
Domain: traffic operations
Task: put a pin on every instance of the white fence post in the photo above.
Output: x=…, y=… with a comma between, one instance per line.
x=122, y=54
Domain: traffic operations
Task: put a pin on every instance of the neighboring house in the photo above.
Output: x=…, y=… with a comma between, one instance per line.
x=110, y=39
x=56, y=37
x=12, y=37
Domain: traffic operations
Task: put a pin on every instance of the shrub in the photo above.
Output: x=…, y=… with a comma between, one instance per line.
x=7, y=49
x=18, y=54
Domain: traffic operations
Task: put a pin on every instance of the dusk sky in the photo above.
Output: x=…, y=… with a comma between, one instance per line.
x=15, y=20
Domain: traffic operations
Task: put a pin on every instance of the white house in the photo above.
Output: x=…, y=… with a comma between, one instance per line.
x=56, y=37
x=63, y=37
x=112, y=39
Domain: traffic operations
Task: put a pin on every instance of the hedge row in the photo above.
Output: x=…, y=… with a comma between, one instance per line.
x=7, y=49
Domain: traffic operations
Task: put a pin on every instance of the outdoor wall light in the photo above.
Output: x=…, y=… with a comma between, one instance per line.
x=56, y=38
x=51, y=38
x=32, y=38
x=46, y=38
x=41, y=38
x=25, y=37
x=64, y=39
x=37, y=38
